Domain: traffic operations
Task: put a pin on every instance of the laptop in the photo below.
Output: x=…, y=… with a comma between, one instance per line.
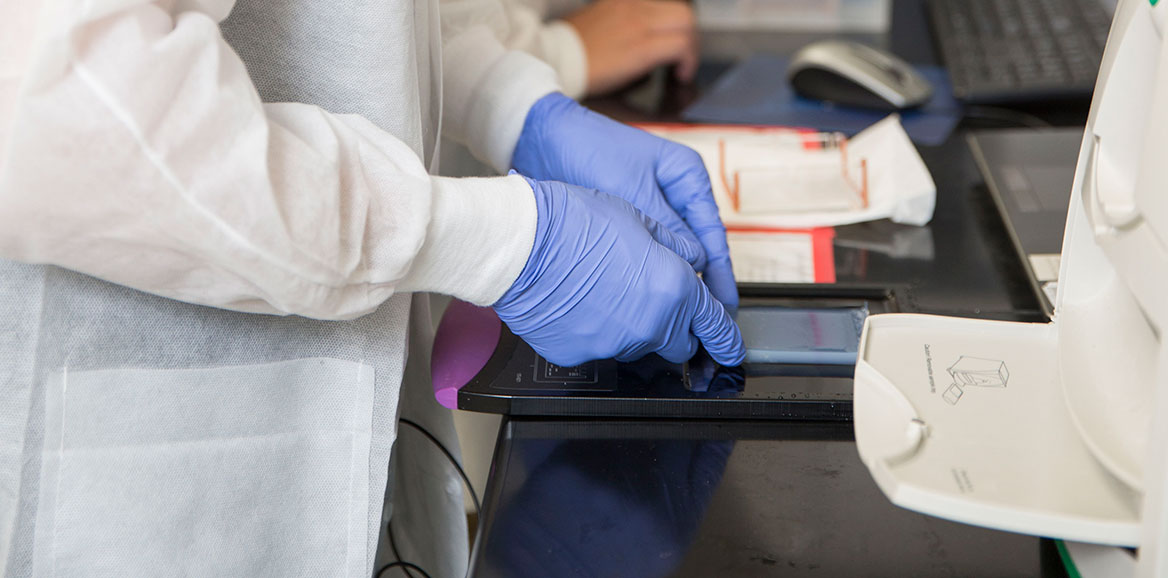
x=1029, y=173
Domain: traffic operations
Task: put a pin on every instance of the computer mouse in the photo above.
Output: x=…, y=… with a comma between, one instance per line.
x=853, y=74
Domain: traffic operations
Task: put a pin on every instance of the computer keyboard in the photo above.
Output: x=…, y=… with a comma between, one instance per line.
x=1020, y=51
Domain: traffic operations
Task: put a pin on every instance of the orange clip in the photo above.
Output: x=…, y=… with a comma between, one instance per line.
x=732, y=191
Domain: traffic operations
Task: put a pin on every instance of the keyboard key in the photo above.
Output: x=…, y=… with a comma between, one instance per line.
x=1012, y=51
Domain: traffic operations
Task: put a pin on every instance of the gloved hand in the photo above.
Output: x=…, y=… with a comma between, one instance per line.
x=603, y=280
x=564, y=141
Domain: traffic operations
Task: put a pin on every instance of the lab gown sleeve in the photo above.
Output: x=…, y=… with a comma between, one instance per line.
x=134, y=148
x=487, y=87
x=551, y=40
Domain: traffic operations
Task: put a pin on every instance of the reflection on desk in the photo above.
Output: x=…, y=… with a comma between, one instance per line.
x=593, y=508
x=650, y=499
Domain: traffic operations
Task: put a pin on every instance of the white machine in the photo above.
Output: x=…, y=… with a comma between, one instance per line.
x=1057, y=429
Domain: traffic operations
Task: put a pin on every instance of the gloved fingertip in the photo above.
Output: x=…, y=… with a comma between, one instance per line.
x=698, y=260
x=685, y=245
x=732, y=310
x=720, y=279
x=730, y=358
x=728, y=348
x=717, y=331
x=725, y=293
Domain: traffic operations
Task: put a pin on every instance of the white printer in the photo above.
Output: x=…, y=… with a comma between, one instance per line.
x=1056, y=429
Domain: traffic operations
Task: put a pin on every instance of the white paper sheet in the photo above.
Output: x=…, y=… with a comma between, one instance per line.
x=762, y=164
x=779, y=257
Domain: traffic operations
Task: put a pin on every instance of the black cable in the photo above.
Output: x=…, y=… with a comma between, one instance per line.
x=407, y=566
x=396, y=553
x=474, y=497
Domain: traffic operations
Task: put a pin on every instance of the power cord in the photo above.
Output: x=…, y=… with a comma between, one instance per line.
x=396, y=554
x=465, y=478
x=407, y=566
x=399, y=563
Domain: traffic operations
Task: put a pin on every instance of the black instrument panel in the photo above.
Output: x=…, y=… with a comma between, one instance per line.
x=518, y=382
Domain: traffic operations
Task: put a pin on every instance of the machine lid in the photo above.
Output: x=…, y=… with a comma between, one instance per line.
x=964, y=419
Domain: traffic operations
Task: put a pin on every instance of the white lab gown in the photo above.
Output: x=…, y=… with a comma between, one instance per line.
x=143, y=436
x=537, y=27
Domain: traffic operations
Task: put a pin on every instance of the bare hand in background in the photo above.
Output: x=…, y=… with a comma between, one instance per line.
x=625, y=39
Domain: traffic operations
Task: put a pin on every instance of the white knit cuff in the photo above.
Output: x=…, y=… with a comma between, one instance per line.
x=480, y=236
x=487, y=92
x=564, y=51
x=497, y=116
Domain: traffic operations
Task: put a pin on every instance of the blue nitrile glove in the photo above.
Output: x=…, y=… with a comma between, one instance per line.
x=604, y=280
x=563, y=141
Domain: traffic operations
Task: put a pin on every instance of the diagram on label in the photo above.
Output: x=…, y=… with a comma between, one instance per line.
x=976, y=372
